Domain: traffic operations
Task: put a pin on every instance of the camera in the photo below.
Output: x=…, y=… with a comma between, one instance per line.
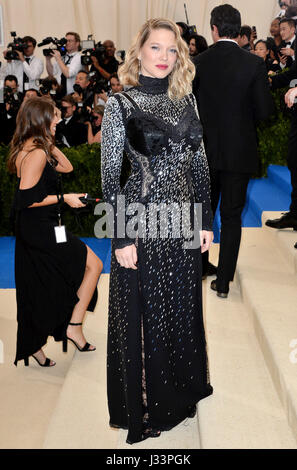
x=16, y=45
x=83, y=114
x=45, y=86
x=88, y=52
x=97, y=84
x=60, y=45
x=11, y=98
x=91, y=50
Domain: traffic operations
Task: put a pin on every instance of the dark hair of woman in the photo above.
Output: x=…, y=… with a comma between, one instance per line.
x=33, y=120
x=200, y=41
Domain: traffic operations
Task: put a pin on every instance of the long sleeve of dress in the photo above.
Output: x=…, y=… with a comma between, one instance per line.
x=112, y=147
x=201, y=180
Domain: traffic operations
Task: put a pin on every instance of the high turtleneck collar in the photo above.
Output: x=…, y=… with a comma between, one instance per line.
x=153, y=85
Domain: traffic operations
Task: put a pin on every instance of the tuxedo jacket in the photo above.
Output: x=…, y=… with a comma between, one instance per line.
x=289, y=59
x=232, y=90
x=75, y=132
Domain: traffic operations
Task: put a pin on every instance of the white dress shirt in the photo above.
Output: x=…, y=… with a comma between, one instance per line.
x=229, y=40
x=33, y=70
x=74, y=67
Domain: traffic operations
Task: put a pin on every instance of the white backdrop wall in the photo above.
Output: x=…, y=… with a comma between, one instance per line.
x=119, y=20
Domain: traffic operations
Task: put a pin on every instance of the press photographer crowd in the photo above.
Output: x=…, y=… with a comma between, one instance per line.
x=81, y=75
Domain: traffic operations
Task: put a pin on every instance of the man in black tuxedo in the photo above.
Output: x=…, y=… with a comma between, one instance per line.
x=69, y=131
x=232, y=92
x=287, y=46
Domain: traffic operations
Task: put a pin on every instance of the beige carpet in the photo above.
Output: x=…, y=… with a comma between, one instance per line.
x=66, y=406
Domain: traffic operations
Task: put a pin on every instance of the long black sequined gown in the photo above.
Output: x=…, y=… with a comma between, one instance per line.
x=157, y=368
x=47, y=274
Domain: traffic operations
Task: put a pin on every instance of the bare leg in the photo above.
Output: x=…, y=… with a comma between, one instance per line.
x=85, y=292
x=42, y=358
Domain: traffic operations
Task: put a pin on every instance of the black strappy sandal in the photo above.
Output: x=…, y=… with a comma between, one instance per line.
x=84, y=349
x=47, y=362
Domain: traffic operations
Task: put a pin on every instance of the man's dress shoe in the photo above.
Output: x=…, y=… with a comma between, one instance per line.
x=213, y=286
x=285, y=221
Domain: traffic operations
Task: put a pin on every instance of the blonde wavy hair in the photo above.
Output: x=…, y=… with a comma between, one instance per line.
x=183, y=73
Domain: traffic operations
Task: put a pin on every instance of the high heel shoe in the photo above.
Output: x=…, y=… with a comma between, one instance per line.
x=47, y=362
x=84, y=349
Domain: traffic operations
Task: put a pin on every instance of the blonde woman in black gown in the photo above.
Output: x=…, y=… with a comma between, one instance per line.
x=157, y=359
x=55, y=282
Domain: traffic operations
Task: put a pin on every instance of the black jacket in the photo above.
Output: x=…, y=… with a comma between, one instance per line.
x=232, y=90
x=289, y=59
x=75, y=132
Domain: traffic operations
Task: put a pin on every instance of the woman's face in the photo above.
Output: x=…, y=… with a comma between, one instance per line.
x=158, y=54
x=56, y=119
x=261, y=50
x=192, y=47
x=274, y=28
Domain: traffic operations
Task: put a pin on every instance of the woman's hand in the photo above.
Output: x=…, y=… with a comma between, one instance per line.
x=206, y=239
x=127, y=257
x=73, y=200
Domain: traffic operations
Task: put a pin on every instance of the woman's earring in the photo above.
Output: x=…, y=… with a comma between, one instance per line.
x=139, y=66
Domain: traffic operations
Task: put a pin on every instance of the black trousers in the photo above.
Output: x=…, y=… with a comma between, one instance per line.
x=292, y=162
x=232, y=188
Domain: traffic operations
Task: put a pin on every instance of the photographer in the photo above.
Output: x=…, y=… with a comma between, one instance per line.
x=105, y=64
x=94, y=126
x=244, y=38
x=12, y=101
x=83, y=88
x=66, y=68
x=27, y=68
x=69, y=131
x=283, y=4
x=49, y=86
x=115, y=87
x=31, y=93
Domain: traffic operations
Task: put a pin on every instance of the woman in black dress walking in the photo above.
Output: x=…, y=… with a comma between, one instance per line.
x=157, y=359
x=55, y=281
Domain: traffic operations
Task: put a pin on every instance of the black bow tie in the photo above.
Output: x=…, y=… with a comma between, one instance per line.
x=68, y=59
x=288, y=43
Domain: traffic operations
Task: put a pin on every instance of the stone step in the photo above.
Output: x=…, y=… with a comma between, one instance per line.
x=244, y=411
x=269, y=290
